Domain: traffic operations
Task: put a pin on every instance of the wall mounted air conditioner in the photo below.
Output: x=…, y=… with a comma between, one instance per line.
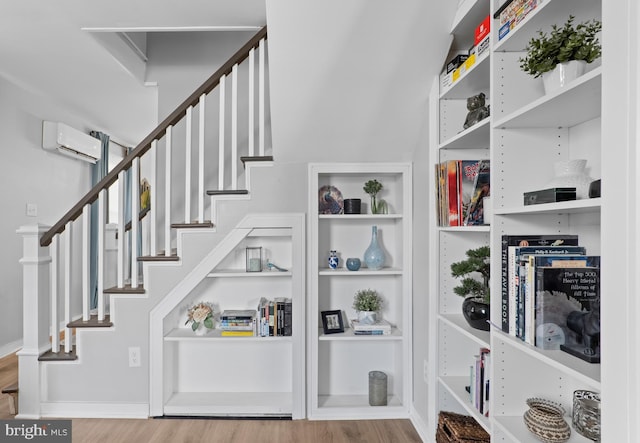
x=66, y=140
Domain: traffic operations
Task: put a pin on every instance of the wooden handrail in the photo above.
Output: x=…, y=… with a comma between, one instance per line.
x=156, y=134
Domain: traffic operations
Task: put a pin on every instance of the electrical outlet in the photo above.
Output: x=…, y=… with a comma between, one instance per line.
x=134, y=357
x=426, y=371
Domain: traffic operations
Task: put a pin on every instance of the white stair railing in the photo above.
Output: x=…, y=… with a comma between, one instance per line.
x=55, y=246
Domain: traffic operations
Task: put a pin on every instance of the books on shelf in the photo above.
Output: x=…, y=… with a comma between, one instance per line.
x=274, y=317
x=479, y=381
x=380, y=327
x=551, y=293
x=461, y=187
x=568, y=310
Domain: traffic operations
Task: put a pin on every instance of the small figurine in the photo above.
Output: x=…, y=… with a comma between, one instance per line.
x=477, y=110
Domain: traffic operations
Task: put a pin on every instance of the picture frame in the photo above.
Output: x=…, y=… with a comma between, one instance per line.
x=332, y=322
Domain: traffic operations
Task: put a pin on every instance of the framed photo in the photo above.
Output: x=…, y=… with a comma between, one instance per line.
x=332, y=322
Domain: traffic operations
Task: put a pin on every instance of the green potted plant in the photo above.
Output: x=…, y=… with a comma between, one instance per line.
x=367, y=303
x=562, y=52
x=373, y=187
x=476, y=293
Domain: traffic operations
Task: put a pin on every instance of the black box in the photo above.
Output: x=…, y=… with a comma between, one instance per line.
x=456, y=62
x=550, y=195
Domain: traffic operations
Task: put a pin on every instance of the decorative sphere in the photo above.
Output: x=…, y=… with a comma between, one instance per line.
x=353, y=264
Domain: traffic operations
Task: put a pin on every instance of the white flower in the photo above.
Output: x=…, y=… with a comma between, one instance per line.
x=201, y=313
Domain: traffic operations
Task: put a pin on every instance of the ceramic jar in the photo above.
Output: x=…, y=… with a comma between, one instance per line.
x=353, y=263
x=572, y=174
x=334, y=260
x=545, y=419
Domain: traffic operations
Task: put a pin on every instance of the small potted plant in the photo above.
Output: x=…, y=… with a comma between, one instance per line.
x=373, y=187
x=475, y=307
x=367, y=302
x=201, y=317
x=562, y=54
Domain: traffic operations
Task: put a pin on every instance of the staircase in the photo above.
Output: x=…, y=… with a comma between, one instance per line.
x=181, y=226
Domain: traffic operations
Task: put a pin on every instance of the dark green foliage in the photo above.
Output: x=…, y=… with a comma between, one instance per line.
x=478, y=261
x=562, y=44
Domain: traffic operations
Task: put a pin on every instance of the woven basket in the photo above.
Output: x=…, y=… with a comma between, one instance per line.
x=456, y=428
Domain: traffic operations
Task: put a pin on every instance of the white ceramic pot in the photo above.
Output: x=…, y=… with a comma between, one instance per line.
x=562, y=74
x=367, y=317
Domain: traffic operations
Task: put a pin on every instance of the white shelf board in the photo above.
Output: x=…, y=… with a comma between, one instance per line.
x=515, y=428
x=361, y=271
x=577, y=102
x=548, y=11
x=235, y=273
x=456, y=387
x=471, y=82
x=229, y=403
x=360, y=216
x=482, y=228
x=474, y=137
x=468, y=16
x=560, y=360
x=356, y=407
x=568, y=207
x=348, y=335
x=186, y=334
x=457, y=321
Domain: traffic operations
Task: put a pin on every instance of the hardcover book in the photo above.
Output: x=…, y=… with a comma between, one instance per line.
x=508, y=308
x=481, y=189
x=568, y=311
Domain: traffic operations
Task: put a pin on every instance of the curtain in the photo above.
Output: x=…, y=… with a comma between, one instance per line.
x=98, y=172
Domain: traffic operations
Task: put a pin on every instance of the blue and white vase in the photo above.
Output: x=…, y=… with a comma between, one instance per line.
x=334, y=260
x=374, y=255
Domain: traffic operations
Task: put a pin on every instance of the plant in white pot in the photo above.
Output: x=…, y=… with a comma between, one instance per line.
x=561, y=55
x=367, y=303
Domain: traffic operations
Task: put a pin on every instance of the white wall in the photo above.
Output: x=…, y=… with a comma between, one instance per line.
x=350, y=82
x=30, y=175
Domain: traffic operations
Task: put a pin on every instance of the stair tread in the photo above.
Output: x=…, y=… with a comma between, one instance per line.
x=127, y=289
x=228, y=192
x=205, y=224
x=93, y=322
x=257, y=158
x=12, y=388
x=59, y=356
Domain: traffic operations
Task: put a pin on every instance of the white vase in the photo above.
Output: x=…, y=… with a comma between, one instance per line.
x=572, y=174
x=562, y=74
x=367, y=317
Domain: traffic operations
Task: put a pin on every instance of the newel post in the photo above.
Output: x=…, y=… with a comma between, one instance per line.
x=35, y=318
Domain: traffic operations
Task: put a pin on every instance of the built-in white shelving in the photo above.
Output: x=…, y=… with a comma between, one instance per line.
x=339, y=363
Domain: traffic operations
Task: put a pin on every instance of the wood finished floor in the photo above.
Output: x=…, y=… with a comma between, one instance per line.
x=222, y=431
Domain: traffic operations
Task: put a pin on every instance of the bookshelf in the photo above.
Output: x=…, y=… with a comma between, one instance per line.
x=243, y=376
x=527, y=132
x=339, y=363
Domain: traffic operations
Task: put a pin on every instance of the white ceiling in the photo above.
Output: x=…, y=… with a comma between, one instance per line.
x=48, y=47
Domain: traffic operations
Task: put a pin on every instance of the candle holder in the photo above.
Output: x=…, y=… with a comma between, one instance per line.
x=254, y=259
x=586, y=414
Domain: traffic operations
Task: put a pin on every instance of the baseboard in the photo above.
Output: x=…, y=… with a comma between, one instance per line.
x=94, y=410
x=421, y=427
x=10, y=348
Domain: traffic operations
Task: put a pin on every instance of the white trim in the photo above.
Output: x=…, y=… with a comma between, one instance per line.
x=10, y=348
x=420, y=426
x=94, y=410
x=171, y=28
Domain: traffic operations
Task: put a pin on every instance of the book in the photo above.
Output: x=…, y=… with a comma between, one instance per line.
x=237, y=314
x=481, y=189
x=237, y=333
x=535, y=261
x=453, y=216
x=380, y=324
x=511, y=241
x=519, y=283
x=568, y=311
x=467, y=171
x=373, y=332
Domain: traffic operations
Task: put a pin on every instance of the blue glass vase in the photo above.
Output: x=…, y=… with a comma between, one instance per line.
x=374, y=255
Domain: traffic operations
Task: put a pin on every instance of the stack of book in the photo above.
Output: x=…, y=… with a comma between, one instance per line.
x=238, y=323
x=479, y=381
x=274, y=317
x=461, y=187
x=551, y=293
x=380, y=327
